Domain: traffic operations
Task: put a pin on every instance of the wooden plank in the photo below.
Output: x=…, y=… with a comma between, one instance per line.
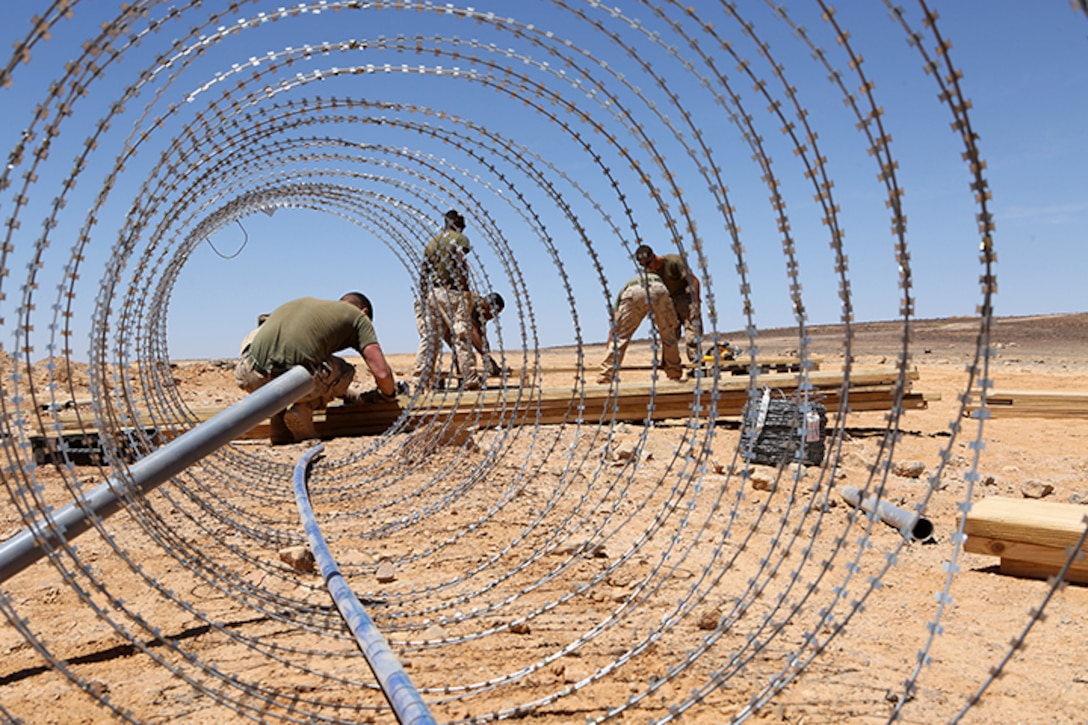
x=1029, y=403
x=738, y=366
x=1056, y=398
x=1022, y=551
x=1031, y=537
x=1035, y=570
x=1042, y=523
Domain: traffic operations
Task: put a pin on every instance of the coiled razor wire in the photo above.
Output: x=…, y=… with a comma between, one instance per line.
x=535, y=576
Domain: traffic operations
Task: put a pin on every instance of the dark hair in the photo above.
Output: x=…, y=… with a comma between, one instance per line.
x=495, y=302
x=455, y=220
x=361, y=301
x=644, y=253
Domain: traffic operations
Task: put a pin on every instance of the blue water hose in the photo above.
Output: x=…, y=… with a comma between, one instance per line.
x=402, y=695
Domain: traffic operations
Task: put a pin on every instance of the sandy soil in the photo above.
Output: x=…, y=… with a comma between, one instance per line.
x=573, y=570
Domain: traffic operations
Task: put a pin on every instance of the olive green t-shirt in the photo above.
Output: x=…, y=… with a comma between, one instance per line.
x=307, y=331
x=674, y=273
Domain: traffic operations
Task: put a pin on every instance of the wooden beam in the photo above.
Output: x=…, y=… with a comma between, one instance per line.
x=1029, y=404
x=1031, y=537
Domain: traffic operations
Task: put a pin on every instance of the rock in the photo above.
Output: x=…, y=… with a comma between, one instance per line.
x=386, y=572
x=1036, y=489
x=299, y=558
x=1080, y=497
x=709, y=620
x=434, y=633
x=355, y=557
x=909, y=469
x=622, y=451
x=520, y=628
x=762, y=482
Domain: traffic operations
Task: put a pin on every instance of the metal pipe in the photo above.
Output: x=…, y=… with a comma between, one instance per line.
x=399, y=691
x=146, y=474
x=909, y=524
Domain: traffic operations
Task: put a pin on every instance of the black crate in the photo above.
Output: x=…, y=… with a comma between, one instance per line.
x=770, y=431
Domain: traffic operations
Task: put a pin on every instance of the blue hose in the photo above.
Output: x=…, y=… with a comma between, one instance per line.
x=398, y=689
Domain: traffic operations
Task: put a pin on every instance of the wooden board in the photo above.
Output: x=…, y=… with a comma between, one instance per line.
x=1030, y=521
x=1029, y=404
x=1032, y=538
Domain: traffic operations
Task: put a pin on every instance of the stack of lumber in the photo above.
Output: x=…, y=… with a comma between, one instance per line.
x=1032, y=538
x=869, y=389
x=1029, y=404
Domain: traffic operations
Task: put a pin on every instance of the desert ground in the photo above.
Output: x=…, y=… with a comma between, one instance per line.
x=567, y=572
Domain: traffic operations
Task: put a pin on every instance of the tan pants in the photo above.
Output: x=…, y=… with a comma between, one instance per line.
x=634, y=304
x=693, y=329
x=444, y=315
x=331, y=380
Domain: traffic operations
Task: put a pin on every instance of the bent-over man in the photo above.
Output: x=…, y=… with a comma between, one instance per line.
x=641, y=294
x=481, y=311
x=683, y=288
x=307, y=332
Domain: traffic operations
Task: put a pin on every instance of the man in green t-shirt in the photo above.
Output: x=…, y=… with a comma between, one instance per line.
x=443, y=309
x=307, y=332
x=641, y=294
x=683, y=288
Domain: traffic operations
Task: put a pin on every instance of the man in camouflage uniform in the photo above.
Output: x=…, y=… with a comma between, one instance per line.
x=641, y=294
x=443, y=310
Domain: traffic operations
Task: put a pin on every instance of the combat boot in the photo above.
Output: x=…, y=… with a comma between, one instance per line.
x=278, y=433
x=299, y=419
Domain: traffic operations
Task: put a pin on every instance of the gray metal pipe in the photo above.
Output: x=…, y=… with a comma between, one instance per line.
x=146, y=474
x=909, y=523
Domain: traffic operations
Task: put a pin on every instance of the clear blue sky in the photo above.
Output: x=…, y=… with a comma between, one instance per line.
x=538, y=156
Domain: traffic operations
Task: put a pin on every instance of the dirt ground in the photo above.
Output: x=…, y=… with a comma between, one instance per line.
x=564, y=573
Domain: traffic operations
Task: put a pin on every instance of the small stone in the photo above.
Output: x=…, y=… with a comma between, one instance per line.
x=909, y=469
x=355, y=557
x=1080, y=497
x=299, y=558
x=386, y=572
x=623, y=451
x=1036, y=489
x=520, y=628
x=709, y=620
x=434, y=633
x=761, y=482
